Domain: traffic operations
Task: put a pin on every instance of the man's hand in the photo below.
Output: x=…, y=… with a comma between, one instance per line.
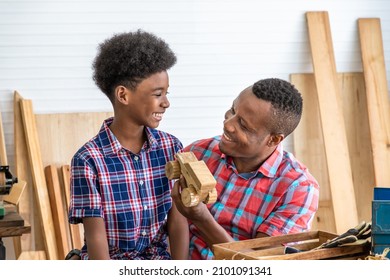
x=195, y=213
x=211, y=232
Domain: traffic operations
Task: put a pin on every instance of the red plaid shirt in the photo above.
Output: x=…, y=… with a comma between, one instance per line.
x=281, y=197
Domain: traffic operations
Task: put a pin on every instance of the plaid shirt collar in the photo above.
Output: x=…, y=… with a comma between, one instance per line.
x=113, y=146
x=269, y=166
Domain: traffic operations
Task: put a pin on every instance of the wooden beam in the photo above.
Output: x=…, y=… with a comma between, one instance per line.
x=32, y=241
x=309, y=143
x=38, y=176
x=332, y=121
x=309, y=148
x=371, y=45
x=57, y=204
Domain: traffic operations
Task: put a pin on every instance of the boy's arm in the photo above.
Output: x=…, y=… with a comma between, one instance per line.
x=96, y=238
x=178, y=234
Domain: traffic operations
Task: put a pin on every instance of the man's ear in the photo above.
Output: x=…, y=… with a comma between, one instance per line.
x=275, y=139
x=122, y=95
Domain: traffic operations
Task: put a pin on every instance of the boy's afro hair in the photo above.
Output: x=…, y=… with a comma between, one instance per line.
x=128, y=58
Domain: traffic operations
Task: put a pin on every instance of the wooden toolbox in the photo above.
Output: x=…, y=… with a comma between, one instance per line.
x=273, y=248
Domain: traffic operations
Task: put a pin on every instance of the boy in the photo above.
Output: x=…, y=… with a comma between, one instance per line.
x=119, y=190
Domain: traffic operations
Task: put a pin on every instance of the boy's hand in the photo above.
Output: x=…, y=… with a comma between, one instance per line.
x=195, y=213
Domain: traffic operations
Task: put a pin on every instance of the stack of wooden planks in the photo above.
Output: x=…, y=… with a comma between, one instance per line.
x=344, y=134
x=44, y=146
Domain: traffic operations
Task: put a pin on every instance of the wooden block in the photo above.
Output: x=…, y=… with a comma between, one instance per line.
x=39, y=182
x=371, y=45
x=16, y=192
x=332, y=121
x=58, y=209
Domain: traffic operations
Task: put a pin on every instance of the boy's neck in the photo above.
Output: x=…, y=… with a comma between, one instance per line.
x=131, y=137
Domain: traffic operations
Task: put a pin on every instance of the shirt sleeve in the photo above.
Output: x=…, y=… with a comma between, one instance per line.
x=295, y=210
x=85, y=199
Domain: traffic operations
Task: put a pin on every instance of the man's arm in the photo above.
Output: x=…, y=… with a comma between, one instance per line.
x=96, y=238
x=201, y=217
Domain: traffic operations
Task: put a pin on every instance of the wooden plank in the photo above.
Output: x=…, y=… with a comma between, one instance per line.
x=309, y=146
x=34, y=240
x=355, y=113
x=76, y=231
x=10, y=231
x=61, y=135
x=3, y=161
x=57, y=204
x=11, y=218
x=39, y=182
x=12, y=224
x=371, y=45
x=332, y=121
x=32, y=255
x=3, y=151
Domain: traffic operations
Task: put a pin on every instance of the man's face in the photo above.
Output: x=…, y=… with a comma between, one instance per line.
x=245, y=134
x=149, y=100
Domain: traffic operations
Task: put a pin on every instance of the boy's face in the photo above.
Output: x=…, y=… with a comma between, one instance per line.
x=148, y=102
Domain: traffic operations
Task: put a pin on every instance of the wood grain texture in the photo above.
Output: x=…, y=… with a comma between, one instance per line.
x=309, y=148
x=34, y=240
x=371, y=45
x=15, y=193
x=32, y=255
x=3, y=151
x=355, y=113
x=57, y=203
x=332, y=121
x=309, y=145
x=61, y=135
x=38, y=176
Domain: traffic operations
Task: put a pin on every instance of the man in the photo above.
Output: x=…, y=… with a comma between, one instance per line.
x=262, y=189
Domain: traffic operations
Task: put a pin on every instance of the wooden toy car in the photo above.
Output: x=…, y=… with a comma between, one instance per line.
x=200, y=182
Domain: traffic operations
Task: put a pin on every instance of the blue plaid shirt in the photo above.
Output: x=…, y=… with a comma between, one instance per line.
x=129, y=191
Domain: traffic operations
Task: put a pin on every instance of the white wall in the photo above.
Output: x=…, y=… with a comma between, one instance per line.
x=46, y=50
x=47, y=47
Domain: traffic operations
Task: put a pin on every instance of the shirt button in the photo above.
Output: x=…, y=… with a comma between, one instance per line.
x=145, y=207
x=141, y=183
x=135, y=157
x=143, y=233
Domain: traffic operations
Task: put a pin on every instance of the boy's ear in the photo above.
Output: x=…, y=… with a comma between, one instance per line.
x=122, y=94
x=275, y=139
